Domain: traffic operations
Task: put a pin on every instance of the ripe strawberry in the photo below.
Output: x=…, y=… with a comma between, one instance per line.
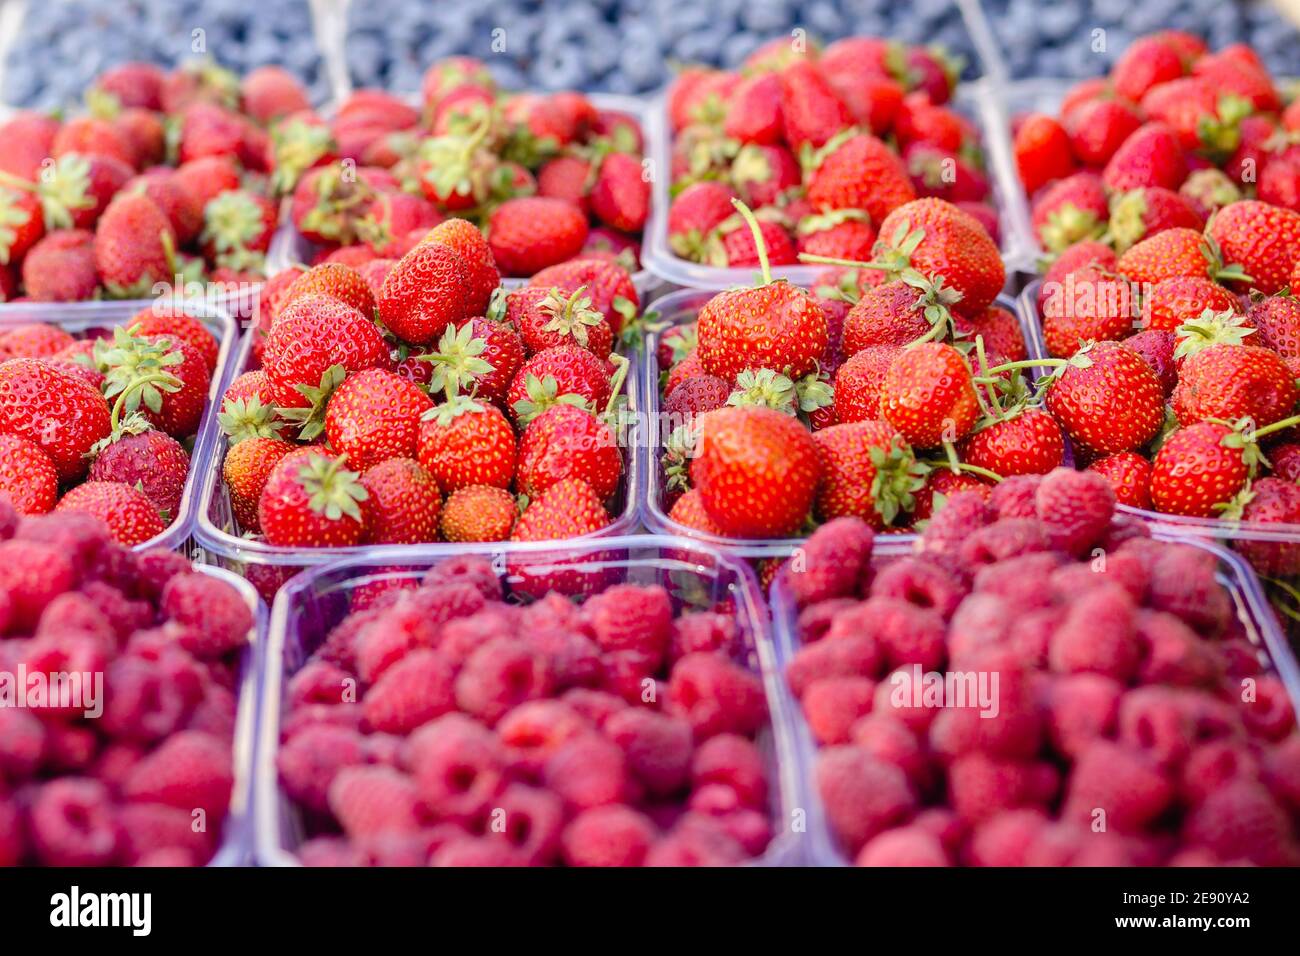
x=1262, y=238
x=756, y=470
x=1091, y=305
x=1174, y=301
x=54, y=409
x=1278, y=320
x=841, y=234
x=858, y=383
x=754, y=110
x=237, y=230
x=372, y=416
x=21, y=223
x=424, y=293
x=1148, y=62
x=151, y=461
x=1042, y=151
x=528, y=234
x=61, y=267
x=620, y=196
x=163, y=189
x=478, y=513
x=130, y=516
x=245, y=470
x=564, y=373
x=694, y=214
x=1234, y=381
x=811, y=113
x=1072, y=210
x=162, y=319
x=332, y=279
x=1139, y=213
x=567, y=178
x=608, y=285
x=1129, y=474
x=311, y=500
x=1197, y=468
x=735, y=245
x=1003, y=339
x=765, y=175
x=402, y=504
x=1270, y=501
x=1151, y=156
x=871, y=93
x=688, y=511
x=481, y=357
x=131, y=364
x=77, y=189
x=859, y=172
x=1027, y=443
x=568, y=509
x=480, y=268
x=134, y=247
x=34, y=340
x=548, y=317
x=867, y=471
x=1176, y=252
x=27, y=476
x=1107, y=399
x=567, y=442
x=928, y=395
x=898, y=313
x=311, y=336
x=466, y=443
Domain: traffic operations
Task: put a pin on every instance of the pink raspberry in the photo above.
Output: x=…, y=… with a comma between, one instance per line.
x=1175, y=654
x=907, y=634
x=114, y=762
x=1122, y=528
x=33, y=574
x=913, y=713
x=149, y=828
x=735, y=762
x=1125, y=785
x=501, y=674
x=537, y=728
x=313, y=715
x=309, y=761
x=1282, y=771
x=475, y=851
x=139, y=703
x=853, y=656
x=627, y=617
x=466, y=569
x=1081, y=708
x=1004, y=539
x=1157, y=721
x=1019, y=579
x=886, y=738
x=1240, y=658
x=961, y=516
x=1015, y=731
x=833, y=704
x=1014, y=497
x=749, y=828
x=702, y=631
x=982, y=621
x=696, y=840
x=1243, y=821
x=124, y=615
x=22, y=744
x=74, y=613
x=610, y=835
x=411, y=692
x=1097, y=635
x=716, y=696
x=371, y=800
x=1184, y=581
x=862, y=796
x=318, y=682
x=458, y=766
x=397, y=848
x=1061, y=843
x=905, y=846
x=1270, y=714
x=463, y=636
x=980, y=785
x=587, y=771
x=156, y=567
x=69, y=749
x=1124, y=570
x=190, y=770
x=1076, y=507
x=1006, y=838
x=657, y=747
x=834, y=562
x=529, y=821
x=386, y=639
x=552, y=610
x=215, y=612
x=1216, y=764
x=573, y=659
x=215, y=713
x=440, y=603
x=71, y=822
x=815, y=620
x=596, y=705
x=79, y=536
x=331, y=852
x=12, y=840
x=919, y=582
x=56, y=654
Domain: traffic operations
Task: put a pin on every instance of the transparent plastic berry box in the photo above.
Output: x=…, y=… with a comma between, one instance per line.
x=1258, y=624
x=678, y=308
x=290, y=247
x=976, y=100
x=697, y=577
x=221, y=540
x=81, y=319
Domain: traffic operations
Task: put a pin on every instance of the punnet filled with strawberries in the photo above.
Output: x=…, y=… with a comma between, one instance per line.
x=549, y=177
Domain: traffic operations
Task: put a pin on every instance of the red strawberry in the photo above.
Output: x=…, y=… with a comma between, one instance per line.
x=548, y=317
x=372, y=416
x=34, y=340
x=1090, y=305
x=466, y=443
x=928, y=395
x=311, y=500
x=402, y=503
x=332, y=279
x=1172, y=302
x=151, y=461
x=620, y=197
x=480, y=268
x=61, y=267
x=736, y=246
x=689, y=512
x=867, y=472
x=526, y=235
x=478, y=513
x=567, y=509
x=27, y=476
x=841, y=234
x=1071, y=211
x=1152, y=156
x=237, y=230
x=134, y=247
x=899, y=313
x=608, y=285
x=56, y=410
x=858, y=383
x=1270, y=501
x=563, y=373
x=1148, y=62
x=480, y=357
x=811, y=113
x=754, y=110
x=312, y=335
x=1235, y=381
x=1003, y=339
x=567, y=442
x=567, y=178
x=175, y=403
x=1278, y=320
x=130, y=516
x=1139, y=213
x=425, y=293
x=765, y=175
x=1262, y=238
x=1098, y=128
x=1028, y=443
x=694, y=214
x=1107, y=399
x=21, y=224
x=77, y=189
x=245, y=470
x=859, y=172
x=1042, y=151
x=1197, y=468
x=1129, y=474
x=1177, y=252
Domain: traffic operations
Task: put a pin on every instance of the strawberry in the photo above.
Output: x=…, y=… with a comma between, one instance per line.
x=1279, y=184
x=28, y=139
x=840, y=234
x=620, y=196
x=1042, y=151
x=21, y=224
x=856, y=70
x=1107, y=399
x=130, y=516
x=1262, y=238
x=183, y=212
x=92, y=136
x=548, y=317
x=757, y=471
x=568, y=442
x=1148, y=62
x=1278, y=320
x=811, y=113
x=478, y=513
x=765, y=175
x=61, y=267
x=332, y=279
x=130, y=84
x=245, y=470
x=1072, y=210
x=149, y=460
x=77, y=189
x=694, y=214
x=480, y=268
x=448, y=74
x=162, y=319
x=1171, y=302
x=54, y=409
x=1269, y=501
x=900, y=312
x=608, y=285
x=1090, y=305
x=372, y=416
x=311, y=500
x=859, y=172
x=166, y=376
x=1098, y=128
x=1238, y=70
x=237, y=230
x=402, y=503
x=1139, y=213
x=567, y=178
x=928, y=395
x=689, y=512
x=754, y=110
x=270, y=92
x=567, y=509
x=528, y=234
x=1178, y=252
x=465, y=443
x=425, y=293
x=1000, y=330
x=34, y=340
x=943, y=174
x=858, y=383
x=134, y=247
x=1197, y=468
x=564, y=373
x=28, y=477
x=1234, y=381
x=1151, y=156
x=311, y=336
x=867, y=472
x=735, y=245
x=1028, y=442
x=1129, y=474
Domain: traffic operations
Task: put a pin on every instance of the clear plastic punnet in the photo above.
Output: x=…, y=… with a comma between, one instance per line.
x=82, y=318
x=1259, y=625
x=698, y=577
x=681, y=307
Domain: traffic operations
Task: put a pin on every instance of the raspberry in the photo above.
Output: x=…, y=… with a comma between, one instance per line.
x=371, y=800
x=22, y=744
x=1174, y=653
x=982, y=621
x=1097, y=635
x=907, y=634
x=587, y=771
x=1015, y=731
x=1081, y=708
x=962, y=515
x=1125, y=785
x=149, y=828
x=440, y=603
x=1121, y=569
x=735, y=762
x=815, y=620
x=1157, y=721
x=396, y=848
x=77, y=536
x=73, y=612
x=833, y=704
x=156, y=567
x=749, y=828
x=71, y=823
x=463, y=636
x=502, y=673
x=834, y=562
x=217, y=615
x=458, y=766
x=1019, y=579
x=139, y=704
x=215, y=713
x=1123, y=528
x=124, y=615
x=716, y=696
x=411, y=692
x=1282, y=771
x=919, y=582
x=1184, y=582
x=1240, y=657
x=702, y=631
x=1269, y=715
x=574, y=660
x=906, y=846
x=69, y=749
x=529, y=820
x=1214, y=765
x=319, y=682
x=1242, y=821
x=862, y=795
x=631, y=618
x=1067, y=844
x=1004, y=539
x=915, y=715
x=611, y=835
x=1005, y=838
x=33, y=574
x=315, y=715
x=886, y=738
x=475, y=851
x=552, y=611
x=114, y=762
x=596, y=705
x=190, y=770
x=56, y=654
x=1075, y=506
x=856, y=655
x=696, y=840
x=386, y=639
x=11, y=832
x=980, y=785
x=466, y=569
x=1014, y=497
x=536, y=729
x=657, y=747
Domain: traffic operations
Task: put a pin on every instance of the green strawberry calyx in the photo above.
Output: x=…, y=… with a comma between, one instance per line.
x=232, y=222
x=1215, y=267
x=64, y=186
x=310, y=418
x=457, y=365
x=451, y=164
x=1220, y=132
x=899, y=476
x=766, y=388
x=570, y=316
x=679, y=449
x=297, y=146
x=1068, y=224
x=136, y=370
x=12, y=218
x=543, y=393
x=244, y=418
x=451, y=409
x=332, y=489
x=1212, y=328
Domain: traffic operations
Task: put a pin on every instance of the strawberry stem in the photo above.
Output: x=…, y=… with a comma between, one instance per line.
x=967, y=467
x=982, y=358
x=155, y=379
x=1027, y=363
x=616, y=381
x=1285, y=423
x=833, y=261
x=759, y=245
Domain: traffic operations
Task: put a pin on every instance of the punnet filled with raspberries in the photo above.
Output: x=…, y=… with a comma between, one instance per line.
x=444, y=715
x=1040, y=682
x=165, y=177
x=549, y=177
x=123, y=673
x=108, y=417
